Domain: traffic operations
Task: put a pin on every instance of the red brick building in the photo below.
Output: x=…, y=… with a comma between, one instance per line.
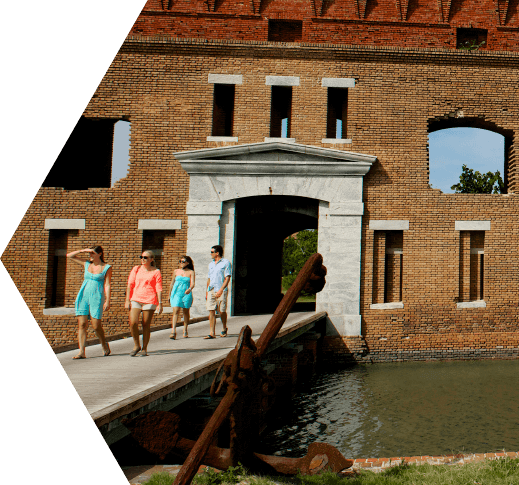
x=296, y=115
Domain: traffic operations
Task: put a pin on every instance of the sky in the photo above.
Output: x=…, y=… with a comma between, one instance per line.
x=448, y=150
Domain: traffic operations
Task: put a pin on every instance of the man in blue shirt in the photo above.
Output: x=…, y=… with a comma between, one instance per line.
x=218, y=278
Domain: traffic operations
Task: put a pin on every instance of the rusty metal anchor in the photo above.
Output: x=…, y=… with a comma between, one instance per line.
x=243, y=381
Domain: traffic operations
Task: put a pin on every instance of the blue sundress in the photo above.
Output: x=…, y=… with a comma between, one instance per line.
x=91, y=296
x=178, y=297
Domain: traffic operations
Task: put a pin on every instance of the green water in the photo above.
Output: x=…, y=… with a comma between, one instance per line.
x=406, y=409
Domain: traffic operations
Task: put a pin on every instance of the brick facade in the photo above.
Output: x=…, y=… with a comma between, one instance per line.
x=406, y=85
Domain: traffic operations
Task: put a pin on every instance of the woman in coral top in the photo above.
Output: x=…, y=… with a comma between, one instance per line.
x=143, y=295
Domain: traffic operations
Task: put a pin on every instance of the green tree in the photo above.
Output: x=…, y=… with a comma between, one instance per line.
x=297, y=249
x=477, y=183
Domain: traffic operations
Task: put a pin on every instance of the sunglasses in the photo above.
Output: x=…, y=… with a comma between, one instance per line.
x=182, y=261
x=213, y=251
x=144, y=257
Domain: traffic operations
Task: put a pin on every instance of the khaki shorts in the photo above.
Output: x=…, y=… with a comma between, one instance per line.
x=143, y=306
x=212, y=301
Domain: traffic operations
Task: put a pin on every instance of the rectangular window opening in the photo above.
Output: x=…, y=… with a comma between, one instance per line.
x=393, y=266
x=223, y=109
x=471, y=39
x=56, y=268
x=154, y=241
x=337, y=113
x=285, y=30
x=280, y=111
x=472, y=264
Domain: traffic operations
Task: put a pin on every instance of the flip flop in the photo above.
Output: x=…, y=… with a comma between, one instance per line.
x=107, y=352
x=133, y=353
x=224, y=333
x=208, y=337
x=172, y=336
x=79, y=356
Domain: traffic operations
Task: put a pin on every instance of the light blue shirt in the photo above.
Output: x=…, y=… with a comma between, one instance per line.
x=218, y=272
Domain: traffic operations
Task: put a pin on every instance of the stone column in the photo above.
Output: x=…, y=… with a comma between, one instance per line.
x=203, y=232
x=339, y=242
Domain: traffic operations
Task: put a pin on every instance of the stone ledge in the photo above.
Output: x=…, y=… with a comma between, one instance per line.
x=386, y=306
x=471, y=304
x=337, y=141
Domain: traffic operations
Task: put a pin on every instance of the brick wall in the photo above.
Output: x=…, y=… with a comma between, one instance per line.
x=416, y=23
x=161, y=86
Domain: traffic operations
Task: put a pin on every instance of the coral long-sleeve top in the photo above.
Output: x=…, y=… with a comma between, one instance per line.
x=144, y=285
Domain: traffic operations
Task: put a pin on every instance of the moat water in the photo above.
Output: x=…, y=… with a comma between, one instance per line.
x=405, y=409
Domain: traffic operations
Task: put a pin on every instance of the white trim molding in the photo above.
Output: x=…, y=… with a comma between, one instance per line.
x=387, y=306
x=225, y=79
x=471, y=304
x=282, y=80
x=337, y=141
x=338, y=82
x=472, y=225
x=65, y=224
x=159, y=224
x=223, y=138
x=269, y=139
x=388, y=225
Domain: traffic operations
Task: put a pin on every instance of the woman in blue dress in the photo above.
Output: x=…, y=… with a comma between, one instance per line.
x=93, y=297
x=182, y=282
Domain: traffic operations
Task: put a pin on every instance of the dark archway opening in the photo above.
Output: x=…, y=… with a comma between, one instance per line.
x=262, y=224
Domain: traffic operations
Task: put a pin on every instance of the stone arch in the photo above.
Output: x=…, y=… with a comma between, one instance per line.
x=220, y=177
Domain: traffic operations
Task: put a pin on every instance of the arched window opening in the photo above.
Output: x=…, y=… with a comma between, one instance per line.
x=457, y=142
x=121, y=151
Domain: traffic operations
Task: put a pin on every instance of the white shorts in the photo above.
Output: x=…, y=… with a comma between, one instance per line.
x=143, y=306
x=212, y=301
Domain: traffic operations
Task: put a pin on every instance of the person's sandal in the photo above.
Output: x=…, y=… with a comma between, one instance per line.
x=133, y=353
x=172, y=336
x=208, y=337
x=224, y=333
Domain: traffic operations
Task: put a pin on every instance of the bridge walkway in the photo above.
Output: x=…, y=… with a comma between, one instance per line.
x=121, y=386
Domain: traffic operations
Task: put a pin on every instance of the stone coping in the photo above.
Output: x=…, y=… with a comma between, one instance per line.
x=138, y=475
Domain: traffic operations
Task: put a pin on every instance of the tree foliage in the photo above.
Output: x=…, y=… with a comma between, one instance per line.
x=477, y=183
x=296, y=250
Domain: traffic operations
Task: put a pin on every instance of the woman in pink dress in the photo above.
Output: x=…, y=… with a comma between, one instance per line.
x=143, y=295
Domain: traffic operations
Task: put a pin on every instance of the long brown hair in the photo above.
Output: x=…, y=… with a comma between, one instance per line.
x=190, y=264
x=99, y=250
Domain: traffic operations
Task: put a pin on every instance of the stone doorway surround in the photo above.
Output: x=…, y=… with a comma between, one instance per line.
x=219, y=176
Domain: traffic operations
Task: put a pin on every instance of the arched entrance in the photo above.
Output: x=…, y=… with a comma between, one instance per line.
x=221, y=181
x=262, y=223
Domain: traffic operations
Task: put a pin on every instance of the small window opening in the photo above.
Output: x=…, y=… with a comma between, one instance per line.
x=154, y=241
x=337, y=113
x=471, y=39
x=280, y=111
x=393, y=266
x=56, y=268
x=121, y=151
x=223, y=109
x=472, y=265
x=285, y=30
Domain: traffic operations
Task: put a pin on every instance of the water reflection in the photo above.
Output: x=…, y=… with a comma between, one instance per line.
x=406, y=409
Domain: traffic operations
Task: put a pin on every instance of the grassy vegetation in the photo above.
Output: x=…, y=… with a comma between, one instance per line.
x=488, y=472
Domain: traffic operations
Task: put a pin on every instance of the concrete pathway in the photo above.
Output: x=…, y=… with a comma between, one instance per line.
x=104, y=381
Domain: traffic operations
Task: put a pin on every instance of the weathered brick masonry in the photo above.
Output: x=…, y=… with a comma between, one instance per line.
x=409, y=80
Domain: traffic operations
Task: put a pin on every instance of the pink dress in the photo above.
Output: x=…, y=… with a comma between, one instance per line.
x=144, y=285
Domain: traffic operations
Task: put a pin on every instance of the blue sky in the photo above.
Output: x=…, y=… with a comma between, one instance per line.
x=448, y=150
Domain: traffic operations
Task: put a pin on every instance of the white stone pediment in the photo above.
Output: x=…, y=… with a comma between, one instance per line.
x=274, y=158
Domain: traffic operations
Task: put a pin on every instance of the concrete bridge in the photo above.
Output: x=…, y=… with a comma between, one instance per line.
x=120, y=386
